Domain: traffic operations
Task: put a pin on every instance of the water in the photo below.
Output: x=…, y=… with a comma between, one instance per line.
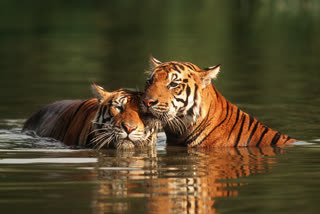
x=269, y=51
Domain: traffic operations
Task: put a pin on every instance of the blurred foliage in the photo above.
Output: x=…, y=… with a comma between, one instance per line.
x=269, y=51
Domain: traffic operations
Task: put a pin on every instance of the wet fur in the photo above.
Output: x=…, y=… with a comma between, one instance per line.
x=183, y=92
x=77, y=122
x=68, y=121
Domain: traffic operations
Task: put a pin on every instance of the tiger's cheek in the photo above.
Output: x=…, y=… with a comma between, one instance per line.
x=116, y=122
x=157, y=91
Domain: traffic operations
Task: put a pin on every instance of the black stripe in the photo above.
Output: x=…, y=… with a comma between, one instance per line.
x=72, y=118
x=235, y=123
x=174, y=76
x=203, y=125
x=288, y=138
x=189, y=66
x=185, y=80
x=108, y=119
x=195, y=96
x=103, y=111
x=181, y=67
x=252, y=133
x=174, y=67
x=224, y=119
x=183, y=87
x=181, y=110
x=275, y=139
x=190, y=112
x=262, y=135
x=179, y=99
x=250, y=122
x=104, y=108
x=230, y=114
x=80, y=106
x=215, y=91
x=195, y=92
x=185, y=103
x=240, y=130
x=261, y=152
x=238, y=152
x=173, y=104
x=188, y=90
x=99, y=113
x=104, y=120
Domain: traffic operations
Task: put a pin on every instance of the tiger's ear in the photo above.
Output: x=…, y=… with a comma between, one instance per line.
x=207, y=74
x=154, y=62
x=99, y=92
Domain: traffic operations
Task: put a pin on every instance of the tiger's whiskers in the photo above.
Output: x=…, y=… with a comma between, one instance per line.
x=103, y=138
x=175, y=124
x=106, y=141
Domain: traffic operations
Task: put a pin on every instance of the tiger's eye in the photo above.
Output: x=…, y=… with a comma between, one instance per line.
x=173, y=85
x=118, y=108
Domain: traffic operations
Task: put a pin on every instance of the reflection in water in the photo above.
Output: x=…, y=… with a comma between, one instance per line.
x=182, y=181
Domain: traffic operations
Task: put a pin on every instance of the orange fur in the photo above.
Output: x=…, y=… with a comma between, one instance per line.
x=111, y=120
x=195, y=114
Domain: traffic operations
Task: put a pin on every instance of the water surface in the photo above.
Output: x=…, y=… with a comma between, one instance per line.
x=269, y=51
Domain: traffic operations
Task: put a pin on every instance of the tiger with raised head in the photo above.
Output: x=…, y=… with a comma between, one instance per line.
x=112, y=119
x=195, y=114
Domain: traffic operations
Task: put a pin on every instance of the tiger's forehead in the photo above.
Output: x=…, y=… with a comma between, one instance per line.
x=176, y=66
x=122, y=97
x=173, y=69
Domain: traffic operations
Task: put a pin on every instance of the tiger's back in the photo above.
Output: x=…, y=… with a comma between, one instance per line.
x=68, y=121
x=230, y=126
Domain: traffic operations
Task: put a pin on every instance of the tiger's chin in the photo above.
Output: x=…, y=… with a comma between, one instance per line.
x=127, y=144
x=124, y=144
x=173, y=121
x=119, y=139
x=138, y=140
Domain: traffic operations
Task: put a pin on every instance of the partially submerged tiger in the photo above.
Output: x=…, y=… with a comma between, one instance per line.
x=195, y=114
x=112, y=119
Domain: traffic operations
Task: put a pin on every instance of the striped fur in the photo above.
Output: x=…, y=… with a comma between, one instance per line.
x=113, y=119
x=68, y=121
x=195, y=114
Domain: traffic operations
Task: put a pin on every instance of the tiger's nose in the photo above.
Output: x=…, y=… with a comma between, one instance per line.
x=149, y=102
x=128, y=127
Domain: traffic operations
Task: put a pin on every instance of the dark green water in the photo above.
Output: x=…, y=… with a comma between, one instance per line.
x=270, y=56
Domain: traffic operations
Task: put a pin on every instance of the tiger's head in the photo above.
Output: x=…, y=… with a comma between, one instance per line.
x=175, y=93
x=119, y=123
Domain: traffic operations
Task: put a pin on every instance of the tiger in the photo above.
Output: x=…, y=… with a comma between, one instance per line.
x=110, y=120
x=194, y=114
